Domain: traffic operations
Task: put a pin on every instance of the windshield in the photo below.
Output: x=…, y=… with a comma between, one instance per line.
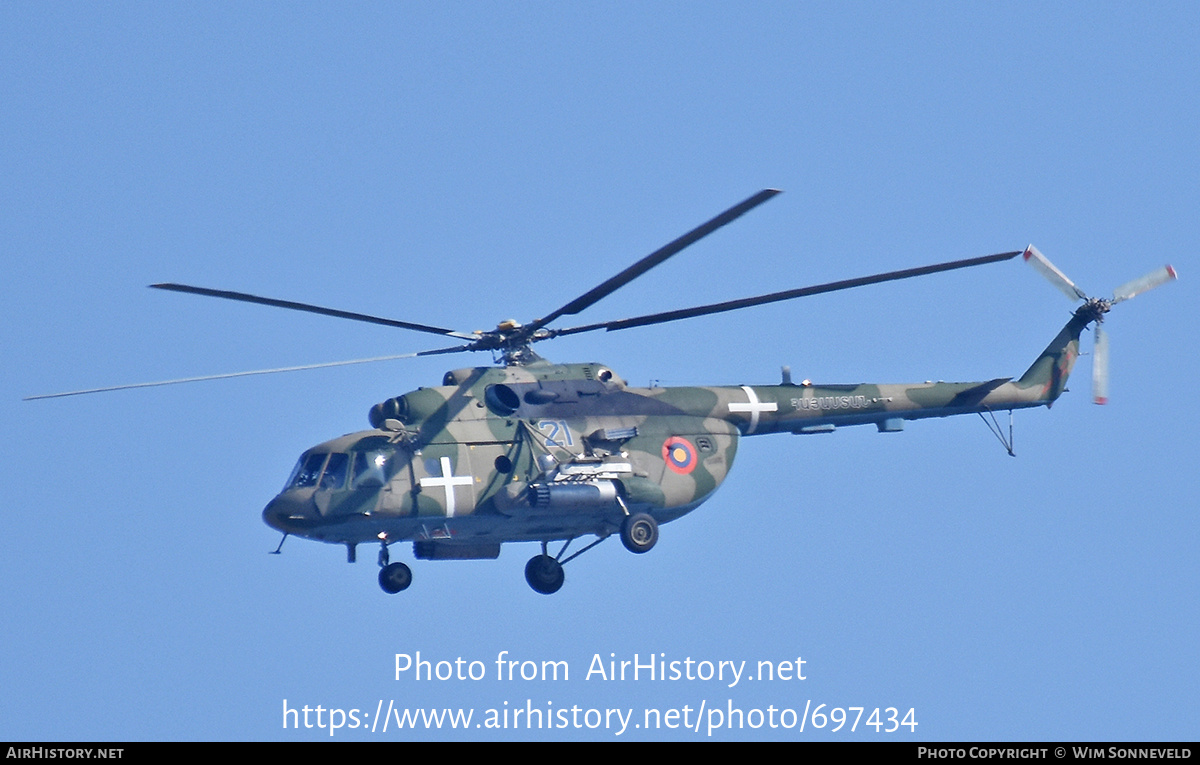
x=307, y=470
x=330, y=471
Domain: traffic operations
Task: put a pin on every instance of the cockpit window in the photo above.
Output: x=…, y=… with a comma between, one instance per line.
x=307, y=470
x=334, y=476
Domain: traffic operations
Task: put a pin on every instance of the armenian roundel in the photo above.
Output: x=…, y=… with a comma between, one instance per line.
x=679, y=455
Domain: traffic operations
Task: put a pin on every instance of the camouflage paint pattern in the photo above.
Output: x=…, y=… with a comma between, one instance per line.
x=544, y=452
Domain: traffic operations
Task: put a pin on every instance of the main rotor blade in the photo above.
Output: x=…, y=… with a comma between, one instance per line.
x=246, y=374
x=655, y=258
x=1147, y=282
x=1100, y=367
x=1052, y=274
x=245, y=298
x=733, y=305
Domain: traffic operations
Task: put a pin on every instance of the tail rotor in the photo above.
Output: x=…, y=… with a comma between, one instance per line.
x=1144, y=284
x=1100, y=366
x=1095, y=309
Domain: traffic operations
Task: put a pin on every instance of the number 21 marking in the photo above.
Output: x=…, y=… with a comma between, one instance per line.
x=555, y=426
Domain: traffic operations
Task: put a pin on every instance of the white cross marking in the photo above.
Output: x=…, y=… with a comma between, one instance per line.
x=753, y=407
x=447, y=481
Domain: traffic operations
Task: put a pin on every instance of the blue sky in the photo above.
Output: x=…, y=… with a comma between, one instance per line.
x=462, y=164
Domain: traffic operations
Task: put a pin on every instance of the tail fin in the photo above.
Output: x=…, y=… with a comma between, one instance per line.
x=1051, y=369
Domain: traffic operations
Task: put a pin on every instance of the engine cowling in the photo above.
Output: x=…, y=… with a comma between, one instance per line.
x=410, y=409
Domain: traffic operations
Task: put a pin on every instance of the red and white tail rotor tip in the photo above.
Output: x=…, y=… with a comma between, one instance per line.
x=1142, y=284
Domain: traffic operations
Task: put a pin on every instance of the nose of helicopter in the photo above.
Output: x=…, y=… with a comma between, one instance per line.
x=291, y=511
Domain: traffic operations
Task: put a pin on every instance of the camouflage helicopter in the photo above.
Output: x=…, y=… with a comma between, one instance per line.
x=530, y=451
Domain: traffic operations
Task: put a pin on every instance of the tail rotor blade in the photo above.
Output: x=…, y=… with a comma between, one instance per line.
x=1052, y=274
x=1145, y=283
x=1100, y=367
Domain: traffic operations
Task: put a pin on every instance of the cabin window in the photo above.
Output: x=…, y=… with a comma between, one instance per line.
x=370, y=469
x=334, y=476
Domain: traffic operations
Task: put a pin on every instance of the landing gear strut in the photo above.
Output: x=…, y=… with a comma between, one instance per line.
x=545, y=572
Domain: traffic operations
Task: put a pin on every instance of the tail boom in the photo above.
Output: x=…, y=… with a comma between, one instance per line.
x=809, y=408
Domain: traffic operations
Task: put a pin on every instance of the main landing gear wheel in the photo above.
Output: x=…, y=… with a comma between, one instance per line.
x=544, y=574
x=639, y=532
x=395, y=577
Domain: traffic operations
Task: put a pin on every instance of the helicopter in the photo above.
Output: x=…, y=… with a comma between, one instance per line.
x=526, y=450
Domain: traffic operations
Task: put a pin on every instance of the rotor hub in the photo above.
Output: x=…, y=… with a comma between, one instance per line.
x=1095, y=308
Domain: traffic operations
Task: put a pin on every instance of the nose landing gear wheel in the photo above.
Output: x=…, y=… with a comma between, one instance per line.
x=544, y=574
x=395, y=577
x=639, y=532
